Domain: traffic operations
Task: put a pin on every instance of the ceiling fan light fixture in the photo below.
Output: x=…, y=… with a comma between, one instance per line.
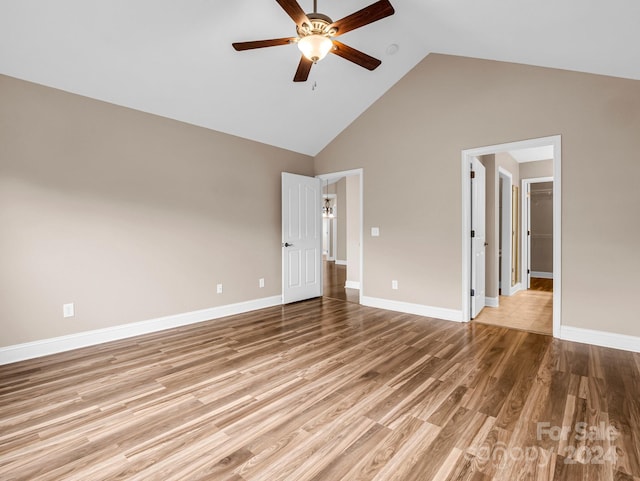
x=315, y=47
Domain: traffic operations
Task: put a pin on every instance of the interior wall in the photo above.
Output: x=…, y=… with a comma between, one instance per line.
x=505, y=161
x=353, y=229
x=413, y=178
x=538, y=168
x=129, y=216
x=341, y=190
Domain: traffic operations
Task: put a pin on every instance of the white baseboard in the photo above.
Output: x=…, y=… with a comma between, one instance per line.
x=341, y=263
x=409, y=308
x=491, y=301
x=331, y=259
x=352, y=285
x=542, y=275
x=30, y=350
x=600, y=338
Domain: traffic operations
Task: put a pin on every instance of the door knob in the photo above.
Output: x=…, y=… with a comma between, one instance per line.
x=286, y=244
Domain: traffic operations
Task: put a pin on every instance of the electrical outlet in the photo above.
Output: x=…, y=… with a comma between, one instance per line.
x=219, y=288
x=375, y=232
x=261, y=282
x=68, y=310
x=394, y=284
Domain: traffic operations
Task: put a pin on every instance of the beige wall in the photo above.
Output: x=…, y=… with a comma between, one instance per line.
x=353, y=229
x=128, y=215
x=409, y=144
x=506, y=162
x=538, y=168
x=341, y=190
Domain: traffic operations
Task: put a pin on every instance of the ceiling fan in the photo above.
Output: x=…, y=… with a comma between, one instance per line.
x=317, y=32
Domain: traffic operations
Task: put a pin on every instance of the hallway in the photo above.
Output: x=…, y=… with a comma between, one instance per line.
x=530, y=310
x=335, y=277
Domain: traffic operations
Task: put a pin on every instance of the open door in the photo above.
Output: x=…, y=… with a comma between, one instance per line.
x=301, y=238
x=478, y=236
x=527, y=216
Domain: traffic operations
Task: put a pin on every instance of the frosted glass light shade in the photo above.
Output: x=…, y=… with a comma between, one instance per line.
x=315, y=47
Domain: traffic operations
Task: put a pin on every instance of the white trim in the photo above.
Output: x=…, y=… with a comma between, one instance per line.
x=525, y=226
x=409, y=308
x=542, y=275
x=556, y=142
x=600, y=338
x=44, y=347
x=466, y=241
x=491, y=301
x=352, y=285
x=347, y=173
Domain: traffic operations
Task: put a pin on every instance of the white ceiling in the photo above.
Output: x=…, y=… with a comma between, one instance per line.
x=174, y=58
x=532, y=154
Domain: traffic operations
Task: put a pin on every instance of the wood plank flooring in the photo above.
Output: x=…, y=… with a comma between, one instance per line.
x=530, y=310
x=324, y=390
x=334, y=279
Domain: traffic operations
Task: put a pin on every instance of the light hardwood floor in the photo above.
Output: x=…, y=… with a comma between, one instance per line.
x=530, y=310
x=323, y=390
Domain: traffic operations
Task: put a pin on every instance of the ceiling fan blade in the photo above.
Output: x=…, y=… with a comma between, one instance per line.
x=355, y=56
x=304, y=67
x=372, y=13
x=294, y=10
x=262, y=43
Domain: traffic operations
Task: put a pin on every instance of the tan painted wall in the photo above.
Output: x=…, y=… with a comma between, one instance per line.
x=128, y=215
x=409, y=144
x=539, y=168
x=341, y=189
x=353, y=228
x=508, y=163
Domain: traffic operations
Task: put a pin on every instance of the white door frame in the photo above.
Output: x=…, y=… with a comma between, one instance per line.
x=347, y=173
x=478, y=265
x=467, y=154
x=504, y=284
x=525, y=277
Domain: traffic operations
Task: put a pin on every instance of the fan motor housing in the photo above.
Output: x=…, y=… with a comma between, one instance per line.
x=319, y=25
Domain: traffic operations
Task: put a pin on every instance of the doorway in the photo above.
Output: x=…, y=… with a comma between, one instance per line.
x=342, y=263
x=506, y=258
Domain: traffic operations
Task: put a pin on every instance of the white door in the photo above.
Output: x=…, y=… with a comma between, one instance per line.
x=478, y=237
x=527, y=216
x=301, y=238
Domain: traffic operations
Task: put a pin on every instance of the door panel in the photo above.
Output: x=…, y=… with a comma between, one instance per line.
x=301, y=238
x=478, y=259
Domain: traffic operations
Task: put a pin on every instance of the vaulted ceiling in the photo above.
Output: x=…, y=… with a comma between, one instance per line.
x=174, y=58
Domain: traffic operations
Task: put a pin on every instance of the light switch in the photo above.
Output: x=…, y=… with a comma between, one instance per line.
x=375, y=232
x=68, y=310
